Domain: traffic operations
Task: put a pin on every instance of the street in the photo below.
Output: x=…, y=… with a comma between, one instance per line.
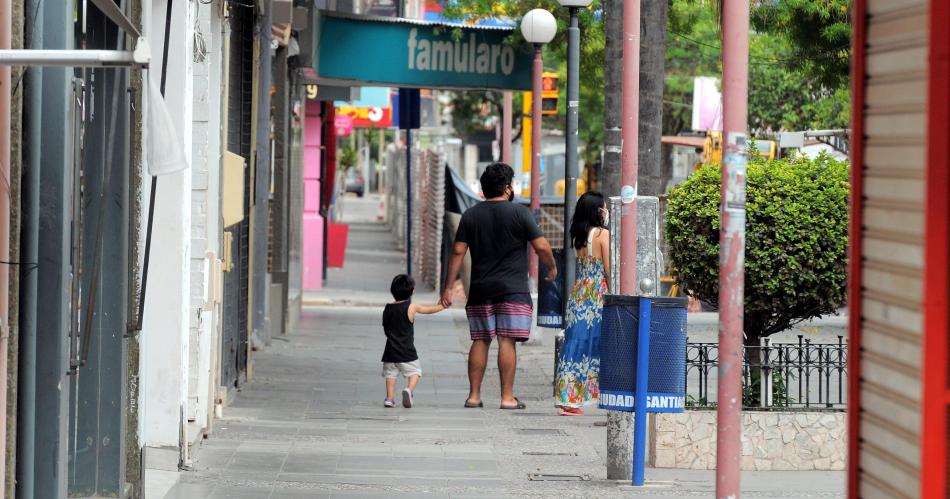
x=312, y=423
x=206, y=202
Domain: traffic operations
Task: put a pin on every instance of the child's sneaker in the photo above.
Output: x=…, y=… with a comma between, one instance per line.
x=407, y=398
x=390, y=403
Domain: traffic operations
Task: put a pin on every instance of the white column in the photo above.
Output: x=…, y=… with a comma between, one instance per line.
x=164, y=338
x=205, y=211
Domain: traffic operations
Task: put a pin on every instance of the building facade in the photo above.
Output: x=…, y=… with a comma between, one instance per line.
x=138, y=311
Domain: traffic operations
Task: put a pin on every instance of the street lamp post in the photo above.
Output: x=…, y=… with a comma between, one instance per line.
x=538, y=27
x=570, y=169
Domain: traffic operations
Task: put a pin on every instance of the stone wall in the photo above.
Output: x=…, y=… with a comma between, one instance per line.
x=770, y=440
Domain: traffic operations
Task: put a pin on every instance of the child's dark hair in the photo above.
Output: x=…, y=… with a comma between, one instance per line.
x=402, y=287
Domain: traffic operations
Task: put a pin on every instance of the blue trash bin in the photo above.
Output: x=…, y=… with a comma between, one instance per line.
x=666, y=382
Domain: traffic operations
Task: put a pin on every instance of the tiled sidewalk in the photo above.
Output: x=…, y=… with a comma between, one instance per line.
x=312, y=424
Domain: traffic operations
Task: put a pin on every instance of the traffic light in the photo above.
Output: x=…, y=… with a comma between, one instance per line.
x=549, y=93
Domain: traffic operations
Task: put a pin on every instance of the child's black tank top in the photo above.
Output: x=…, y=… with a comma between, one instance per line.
x=400, y=346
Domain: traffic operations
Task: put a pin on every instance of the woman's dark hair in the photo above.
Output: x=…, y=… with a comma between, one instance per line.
x=495, y=178
x=402, y=287
x=587, y=215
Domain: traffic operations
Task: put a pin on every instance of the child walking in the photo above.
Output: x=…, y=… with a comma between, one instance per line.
x=400, y=353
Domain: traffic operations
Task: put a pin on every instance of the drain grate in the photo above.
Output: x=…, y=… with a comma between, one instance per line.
x=543, y=477
x=540, y=431
x=600, y=423
x=542, y=453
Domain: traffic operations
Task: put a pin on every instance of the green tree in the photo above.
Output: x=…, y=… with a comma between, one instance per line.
x=347, y=158
x=786, y=90
x=475, y=110
x=691, y=51
x=820, y=31
x=555, y=58
x=796, y=240
x=798, y=73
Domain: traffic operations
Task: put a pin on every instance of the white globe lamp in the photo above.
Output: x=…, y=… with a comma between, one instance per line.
x=577, y=4
x=538, y=26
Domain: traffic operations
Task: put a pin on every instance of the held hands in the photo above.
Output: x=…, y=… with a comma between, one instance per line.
x=552, y=274
x=446, y=300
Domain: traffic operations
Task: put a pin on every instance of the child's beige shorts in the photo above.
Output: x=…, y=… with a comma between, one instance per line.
x=393, y=369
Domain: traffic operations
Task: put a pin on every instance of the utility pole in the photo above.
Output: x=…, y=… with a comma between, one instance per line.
x=619, y=424
x=6, y=95
x=570, y=167
x=735, y=91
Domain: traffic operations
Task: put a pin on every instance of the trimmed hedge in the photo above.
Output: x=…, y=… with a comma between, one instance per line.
x=796, y=240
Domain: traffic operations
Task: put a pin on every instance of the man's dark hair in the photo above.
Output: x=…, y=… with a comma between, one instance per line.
x=495, y=178
x=402, y=287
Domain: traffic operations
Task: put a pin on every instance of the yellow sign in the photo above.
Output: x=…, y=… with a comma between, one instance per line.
x=232, y=209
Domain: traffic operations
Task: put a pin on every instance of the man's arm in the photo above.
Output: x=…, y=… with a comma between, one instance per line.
x=455, y=264
x=543, y=248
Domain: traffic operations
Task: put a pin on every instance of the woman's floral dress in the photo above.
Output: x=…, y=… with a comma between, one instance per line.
x=578, y=368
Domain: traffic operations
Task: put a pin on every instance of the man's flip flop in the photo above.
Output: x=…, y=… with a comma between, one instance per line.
x=518, y=406
x=469, y=405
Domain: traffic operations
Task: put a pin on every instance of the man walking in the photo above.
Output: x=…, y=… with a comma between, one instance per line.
x=499, y=302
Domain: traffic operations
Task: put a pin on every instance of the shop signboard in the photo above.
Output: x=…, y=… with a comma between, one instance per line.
x=419, y=54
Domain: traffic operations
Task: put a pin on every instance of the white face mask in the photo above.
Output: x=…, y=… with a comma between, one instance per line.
x=606, y=219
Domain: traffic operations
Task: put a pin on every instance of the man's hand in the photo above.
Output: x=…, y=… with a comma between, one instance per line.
x=455, y=265
x=446, y=300
x=543, y=249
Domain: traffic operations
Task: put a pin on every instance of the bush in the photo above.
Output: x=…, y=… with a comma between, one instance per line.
x=796, y=240
x=347, y=158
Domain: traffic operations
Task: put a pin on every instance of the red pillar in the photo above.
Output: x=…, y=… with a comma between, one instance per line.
x=630, y=150
x=936, y=389
x=537, y=75
x=735, y=90
x=855, y=256
x=507, y=111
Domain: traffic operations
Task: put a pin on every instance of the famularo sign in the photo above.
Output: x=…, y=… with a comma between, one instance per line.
x=459, y=57
x=416, y=54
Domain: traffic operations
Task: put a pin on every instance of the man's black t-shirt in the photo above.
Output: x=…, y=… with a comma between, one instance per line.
x=497, y=234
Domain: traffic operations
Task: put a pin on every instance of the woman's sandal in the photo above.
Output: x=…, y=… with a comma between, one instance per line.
x=519, y=405
x=575, y=412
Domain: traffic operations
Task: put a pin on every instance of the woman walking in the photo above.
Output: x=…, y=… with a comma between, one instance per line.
x=578, y=368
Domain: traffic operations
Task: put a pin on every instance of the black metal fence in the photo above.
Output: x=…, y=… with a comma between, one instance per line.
x=802, y=375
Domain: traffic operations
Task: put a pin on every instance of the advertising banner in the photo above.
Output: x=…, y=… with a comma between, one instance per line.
x=367, y=117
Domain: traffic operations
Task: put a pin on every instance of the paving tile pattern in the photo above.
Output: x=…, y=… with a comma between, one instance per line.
x=312, y=424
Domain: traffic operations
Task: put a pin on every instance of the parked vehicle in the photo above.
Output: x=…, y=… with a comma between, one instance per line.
x=354, y=182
